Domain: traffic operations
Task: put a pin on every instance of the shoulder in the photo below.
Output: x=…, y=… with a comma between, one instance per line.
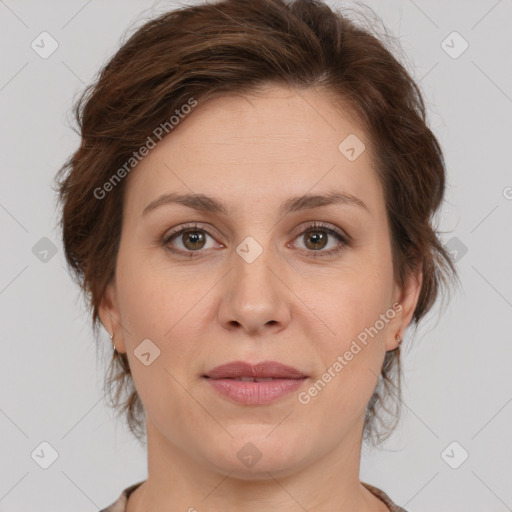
x=393, y=507
x=120, y=504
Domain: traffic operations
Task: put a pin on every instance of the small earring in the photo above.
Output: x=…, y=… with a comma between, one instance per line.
x=112, y=339
x=398, y=339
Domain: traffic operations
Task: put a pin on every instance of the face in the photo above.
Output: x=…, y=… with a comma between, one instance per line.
x=305, y=286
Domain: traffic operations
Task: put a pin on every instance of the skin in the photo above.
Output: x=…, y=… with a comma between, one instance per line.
x=253, y=153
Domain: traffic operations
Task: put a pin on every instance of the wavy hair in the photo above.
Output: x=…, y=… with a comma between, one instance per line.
x=232, y=47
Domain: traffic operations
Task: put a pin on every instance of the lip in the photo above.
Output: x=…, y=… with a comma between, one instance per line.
x=262, y=370
x=286, y=379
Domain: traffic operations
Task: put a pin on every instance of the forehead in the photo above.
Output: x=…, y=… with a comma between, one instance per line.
x=275, y=142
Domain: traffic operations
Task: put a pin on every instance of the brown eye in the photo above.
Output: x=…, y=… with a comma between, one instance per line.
x=193, y=240
x=187, y=240
x=318, y=239
x=318, y=236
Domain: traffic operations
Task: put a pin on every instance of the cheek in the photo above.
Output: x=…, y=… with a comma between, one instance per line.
x=170, y=309
x=154, y=295
x=351, y=346
x=345, y=305
x=156, y=305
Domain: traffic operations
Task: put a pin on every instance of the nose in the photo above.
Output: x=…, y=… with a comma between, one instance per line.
x=255, y=297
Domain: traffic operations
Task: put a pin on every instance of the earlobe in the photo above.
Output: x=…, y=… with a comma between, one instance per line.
x=408, y=300
x=110, y=318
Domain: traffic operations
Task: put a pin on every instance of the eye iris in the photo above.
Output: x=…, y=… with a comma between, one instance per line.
x=318, y=237
x=194, y=240
x=195, y=237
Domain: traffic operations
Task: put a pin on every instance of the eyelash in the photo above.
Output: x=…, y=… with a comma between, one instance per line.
x=316, y=226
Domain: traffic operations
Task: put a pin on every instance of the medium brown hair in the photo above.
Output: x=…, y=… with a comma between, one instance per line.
x=233, y=47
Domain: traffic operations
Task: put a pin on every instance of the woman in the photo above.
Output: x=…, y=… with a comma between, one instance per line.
x=250, y=216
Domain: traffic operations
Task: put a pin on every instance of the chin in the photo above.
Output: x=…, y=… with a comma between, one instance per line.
x=251, y=456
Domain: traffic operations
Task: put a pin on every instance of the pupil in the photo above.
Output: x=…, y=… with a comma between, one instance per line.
x=195, y=236
x=317, y=239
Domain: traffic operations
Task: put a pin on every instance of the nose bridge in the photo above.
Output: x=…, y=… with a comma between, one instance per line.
x=255, y=296
x=252, y=264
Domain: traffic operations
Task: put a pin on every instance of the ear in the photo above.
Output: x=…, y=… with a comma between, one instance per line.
x=408, y=299
x=110, y=317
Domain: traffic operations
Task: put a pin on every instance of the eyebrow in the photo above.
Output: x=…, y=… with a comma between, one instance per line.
x=204, y=203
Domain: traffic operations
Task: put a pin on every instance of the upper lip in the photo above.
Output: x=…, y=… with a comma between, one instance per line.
x=262, y=370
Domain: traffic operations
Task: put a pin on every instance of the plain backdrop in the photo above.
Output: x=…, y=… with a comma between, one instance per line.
x=452, y=451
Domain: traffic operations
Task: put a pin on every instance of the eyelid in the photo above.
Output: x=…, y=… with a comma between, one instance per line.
x=343, y=238
x=186, y=227
x=314, y=224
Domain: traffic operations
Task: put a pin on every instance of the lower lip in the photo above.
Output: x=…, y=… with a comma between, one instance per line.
x=255, y=393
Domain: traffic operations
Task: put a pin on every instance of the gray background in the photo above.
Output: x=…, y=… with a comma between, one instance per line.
x=458, y=384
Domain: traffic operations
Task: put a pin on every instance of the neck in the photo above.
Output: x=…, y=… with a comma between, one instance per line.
x=179, y=482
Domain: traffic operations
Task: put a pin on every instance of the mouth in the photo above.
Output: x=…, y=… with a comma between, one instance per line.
x=248, y=372
x=254, y=384
x=250, y=379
